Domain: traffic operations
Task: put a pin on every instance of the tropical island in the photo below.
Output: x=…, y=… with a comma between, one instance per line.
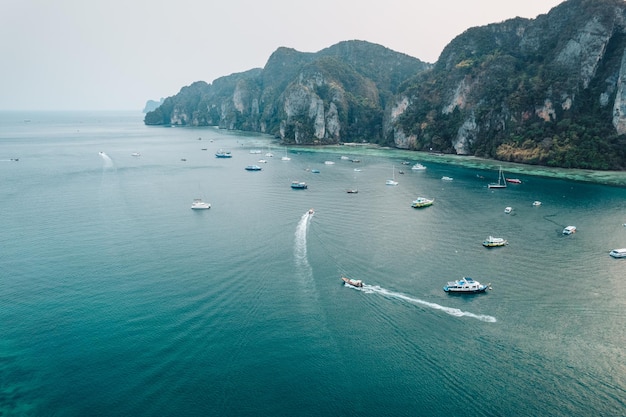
x=546, y=92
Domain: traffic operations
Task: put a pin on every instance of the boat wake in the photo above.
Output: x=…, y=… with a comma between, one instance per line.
x=375, y=289
x=108, y=162
x=300, y=251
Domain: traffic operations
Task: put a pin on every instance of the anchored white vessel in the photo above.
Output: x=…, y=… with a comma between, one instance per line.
x=198, y=204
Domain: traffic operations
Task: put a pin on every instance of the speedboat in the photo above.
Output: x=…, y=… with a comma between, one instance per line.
x=353, y=282
x=198, y=204
x=352, y=191
x=420, y=202
x=418, y=167
x=311, y=211
x=508, y=210
x=618, y=253
x=569, y=230
x=513, y=180
x=253, y=168
x=536, y=203
x=492, y=242
x=466, y=285
x=297, y=185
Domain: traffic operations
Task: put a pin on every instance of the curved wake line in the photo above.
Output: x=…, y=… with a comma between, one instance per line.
x=448, y=310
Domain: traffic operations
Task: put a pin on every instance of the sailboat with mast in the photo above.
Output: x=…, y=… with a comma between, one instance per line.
x=393, y=180
x=501, y=181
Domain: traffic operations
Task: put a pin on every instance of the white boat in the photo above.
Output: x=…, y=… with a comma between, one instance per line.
x=569, y=230
x=198, y=204
x=223, y=154
x=420, y=202
x=329, y=163
x=536, y=203
x=136, y=154
x=393, y=180
x=466, y=285
x=299, y=185
x=418, y=167
x=344, y=158
x=508, y=210
x=492, y=242
x=618, y=253
x=444, y=178
x=253, y=168
x=501, y=181
x=255, y=151
x=262, y=161
x=353, y=282
x=311, y=212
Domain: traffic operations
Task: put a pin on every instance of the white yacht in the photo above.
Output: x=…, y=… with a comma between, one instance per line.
x=618, y=253
x=418, y=167
x=466, y=285
x=198, y=204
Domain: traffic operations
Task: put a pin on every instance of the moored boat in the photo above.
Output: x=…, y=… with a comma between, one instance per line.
x=420, y=202
x=253, y=168
x=536, y=203
x=223, y=154
x=466, y=285
x=353, y=282
x=418, y=167
x=352, y=191
x=198, y=204
x=299, y=185
x=501, y=181
x=492, y=242
x=514, y=180
x=508, y=210
x=618, y=253
x=569, y=230
x=446, y=178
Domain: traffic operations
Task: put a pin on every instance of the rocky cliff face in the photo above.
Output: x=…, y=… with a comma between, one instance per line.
x=337, y=94
x=534, y=91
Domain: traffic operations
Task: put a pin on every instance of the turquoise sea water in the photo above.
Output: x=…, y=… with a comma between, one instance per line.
x=117, y=299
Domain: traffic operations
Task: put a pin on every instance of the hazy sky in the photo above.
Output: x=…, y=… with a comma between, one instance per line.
x=117, y=54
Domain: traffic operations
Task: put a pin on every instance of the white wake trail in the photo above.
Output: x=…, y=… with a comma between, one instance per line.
x=108, y=162
x=448, y=310
x=300, y=251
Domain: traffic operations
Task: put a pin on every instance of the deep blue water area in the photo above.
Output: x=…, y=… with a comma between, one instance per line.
x=117, y=299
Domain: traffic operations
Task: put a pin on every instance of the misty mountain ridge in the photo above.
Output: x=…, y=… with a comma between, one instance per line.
x=548, y=91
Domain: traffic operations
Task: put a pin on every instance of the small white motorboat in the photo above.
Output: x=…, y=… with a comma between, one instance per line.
x=569, y=230
x=198, y=204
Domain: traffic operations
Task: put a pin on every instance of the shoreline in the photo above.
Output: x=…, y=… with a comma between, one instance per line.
x=611, y=178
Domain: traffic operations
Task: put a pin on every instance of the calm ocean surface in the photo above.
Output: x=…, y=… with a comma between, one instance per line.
x=116, y=299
